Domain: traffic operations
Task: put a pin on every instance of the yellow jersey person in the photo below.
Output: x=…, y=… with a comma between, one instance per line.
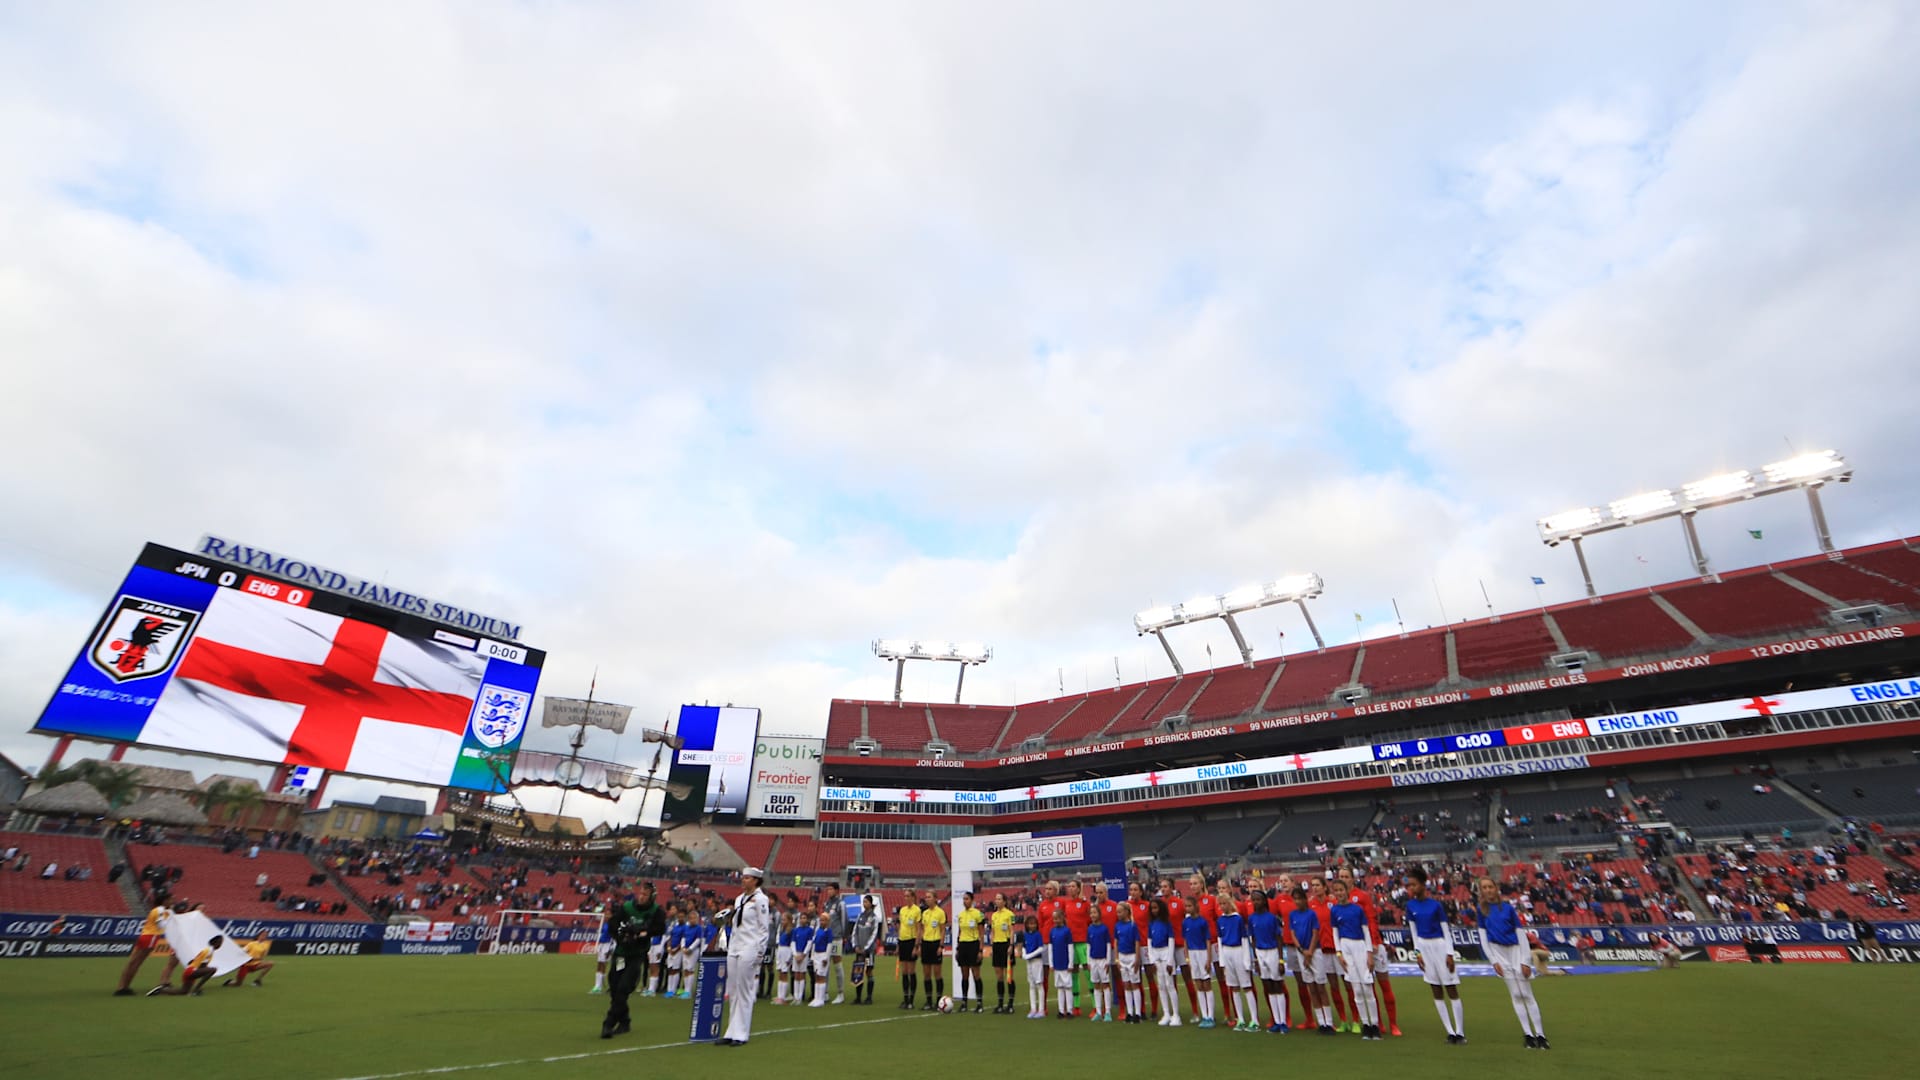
x=933, y=932
x=909, y=954
x=1000, y=929
x=966, y=948
x=256, y=967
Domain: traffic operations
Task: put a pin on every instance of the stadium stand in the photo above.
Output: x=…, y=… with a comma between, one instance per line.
x=1853, y=584
x=1622, y=626
x=1728, y=805
x=1583, y=891
x=1746, y=606
x=1149, y=839
x=1415, y=662
x=1423, y=827
x=1233, y=691
x=226, y=882
x=1552, y=817
x=1212, y=841
x=754, y=849
x=1097, y=712
x=843, y=723
x=899, y=728
x=969, y=729
x=23, y=889
x=1511, y=646
x=1310, y=678
x=1900, y=563
x=1889, y=794
x=802, y=854
x=1137, y=716
x=1038, y=719
x=1309, y=833
x=903, y=858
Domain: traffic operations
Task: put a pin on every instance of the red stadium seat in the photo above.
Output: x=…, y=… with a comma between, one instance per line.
x=901, y=730
x=24, y=891
x=1162, y=699
x=1233, y=691
x=1747, y=606
x=1400, y=664
x=1310, y=679
x=903, y=858
x=1514, y=645
x=1100, y=709
x=969, y=729
x=1621, y=626
x=1038, y=719
x=224, y=881
x=843, y=724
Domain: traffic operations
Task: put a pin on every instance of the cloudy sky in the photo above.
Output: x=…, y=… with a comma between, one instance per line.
x=712, y=341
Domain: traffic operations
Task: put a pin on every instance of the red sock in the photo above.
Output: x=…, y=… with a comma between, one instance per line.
x=1339, y=1010
x=1227, y=996
x=1153, y=994
x=1393, y=1007
x=1353, y=1009
x=1193, y=996
x=1306, y=1001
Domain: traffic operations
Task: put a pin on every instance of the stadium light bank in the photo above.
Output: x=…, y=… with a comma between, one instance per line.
x=1803, y=472
x=1294, y=589
x=901, y=650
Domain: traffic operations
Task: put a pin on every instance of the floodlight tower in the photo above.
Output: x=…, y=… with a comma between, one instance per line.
x=1803, y=472
x=1294, y=589
x=901, y=650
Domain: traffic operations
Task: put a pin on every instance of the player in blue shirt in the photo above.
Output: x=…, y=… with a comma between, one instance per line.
x=1100, y=968
x=1236, y=959
x=1433, y=941
x=1354, y=944
x=1126, y=946
x=803, y=932
x=1033, y=951
x=676, y=941
x=822, y=959
x=783, y=959
x=1160, y=958
x=1193, y=930
x=1265, y=931
x=1500, y=936
x=1060, y=961
x=1303, y=926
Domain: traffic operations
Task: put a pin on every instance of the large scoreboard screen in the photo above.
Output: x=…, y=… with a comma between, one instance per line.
x=715, y=762
x=199, y=656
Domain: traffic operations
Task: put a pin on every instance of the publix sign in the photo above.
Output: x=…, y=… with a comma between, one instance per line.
x=786, y=779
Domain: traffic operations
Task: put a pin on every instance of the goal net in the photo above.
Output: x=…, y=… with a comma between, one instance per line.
x=520, y=932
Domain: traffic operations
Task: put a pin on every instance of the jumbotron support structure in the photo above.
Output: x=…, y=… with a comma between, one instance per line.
x=1804, y=472
x=900, y=650
x=1295, y=589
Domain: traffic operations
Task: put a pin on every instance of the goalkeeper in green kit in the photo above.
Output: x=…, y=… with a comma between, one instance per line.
x=636, y=922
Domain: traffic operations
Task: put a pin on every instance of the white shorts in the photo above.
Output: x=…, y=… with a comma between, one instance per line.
x=798, y=963
x=1434, y=953
x=690, y=961
x=1510, y=957
x=1036, y=973
x=1234, y=967
x=1130, y=968
x=1063, y=978
x=656, y=952
x=1325, y=964
x=1160, y=956
x=1380, y=959
x=604, y=953
x=1266, y=962
x=821, y=962
x=1198, y=966
x=1101, y=971
x=1358, y=957
x=1180, y=954
x=1306, y=967
x=782, y=957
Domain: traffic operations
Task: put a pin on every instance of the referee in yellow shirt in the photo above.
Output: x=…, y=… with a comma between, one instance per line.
x=1000, y=924
x=966, y=948
x=904, y=964
x=933, y=933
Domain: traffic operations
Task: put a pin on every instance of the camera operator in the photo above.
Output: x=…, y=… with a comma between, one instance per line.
x=636, y=923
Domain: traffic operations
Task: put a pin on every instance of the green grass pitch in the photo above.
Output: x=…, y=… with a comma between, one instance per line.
x=515, y=1016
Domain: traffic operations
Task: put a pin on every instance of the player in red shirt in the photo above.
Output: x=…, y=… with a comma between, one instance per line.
x=1079, y=914
x=1364, y=896
x=1177, y=911
x=1329, y=965
x=1049, y=900
x=1142, y=915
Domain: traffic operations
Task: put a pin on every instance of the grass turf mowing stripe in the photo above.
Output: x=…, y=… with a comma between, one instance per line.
x=557, y=1058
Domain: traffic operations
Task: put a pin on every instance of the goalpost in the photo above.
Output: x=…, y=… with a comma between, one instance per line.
x=515, y=931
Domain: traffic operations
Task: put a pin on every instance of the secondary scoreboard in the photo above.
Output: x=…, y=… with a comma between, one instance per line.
x=196, y=655
x=1520, y=735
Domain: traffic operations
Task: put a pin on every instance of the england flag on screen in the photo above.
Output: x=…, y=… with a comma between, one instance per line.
x=269, y=680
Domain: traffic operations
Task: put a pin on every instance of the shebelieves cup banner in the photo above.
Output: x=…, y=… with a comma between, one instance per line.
x=196, y=656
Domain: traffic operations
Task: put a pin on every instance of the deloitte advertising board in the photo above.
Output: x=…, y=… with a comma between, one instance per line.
x=786, y=779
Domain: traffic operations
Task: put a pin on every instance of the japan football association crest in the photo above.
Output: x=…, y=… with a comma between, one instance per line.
x=499, y=715
x=141, y=639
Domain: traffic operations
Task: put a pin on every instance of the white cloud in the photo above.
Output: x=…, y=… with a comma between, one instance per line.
x=711, y=344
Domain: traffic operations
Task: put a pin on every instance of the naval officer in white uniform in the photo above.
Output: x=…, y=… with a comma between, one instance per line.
x=749, y=922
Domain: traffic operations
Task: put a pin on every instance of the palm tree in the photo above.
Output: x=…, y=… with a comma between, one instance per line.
x=119, y=783
x=55, y=775
x=242, y=800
